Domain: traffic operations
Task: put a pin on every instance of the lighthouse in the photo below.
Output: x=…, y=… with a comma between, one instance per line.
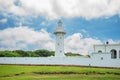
x=59, y=44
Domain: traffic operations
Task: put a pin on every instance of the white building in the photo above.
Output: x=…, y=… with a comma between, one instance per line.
x=59, y=45
x=110, y=49
x=106, y=55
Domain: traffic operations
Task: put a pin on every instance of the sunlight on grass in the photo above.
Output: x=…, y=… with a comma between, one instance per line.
x=16, y=72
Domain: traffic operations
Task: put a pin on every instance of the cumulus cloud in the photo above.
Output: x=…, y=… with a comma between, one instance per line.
x=3, y=20
x=24, y=37
x=10, y=7
x=53, y=9
x=77, y=44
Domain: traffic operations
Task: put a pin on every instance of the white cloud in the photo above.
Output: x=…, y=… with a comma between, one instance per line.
x=23, y=37
x=76, y=43
x=3, y=20
x=54, y=9
x=10, y=7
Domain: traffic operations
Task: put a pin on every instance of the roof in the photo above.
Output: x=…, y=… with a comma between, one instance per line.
x=107, y=44
x=59, y=28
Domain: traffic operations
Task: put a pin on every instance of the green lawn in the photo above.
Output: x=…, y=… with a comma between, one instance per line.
x=16, y=72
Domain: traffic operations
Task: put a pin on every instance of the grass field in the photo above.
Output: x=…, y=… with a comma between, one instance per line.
x=19, y=72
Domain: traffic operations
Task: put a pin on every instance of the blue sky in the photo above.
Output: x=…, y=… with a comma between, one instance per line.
x=29, y=24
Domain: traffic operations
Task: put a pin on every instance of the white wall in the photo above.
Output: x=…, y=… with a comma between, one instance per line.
x=44, y=60
x=95, y=60
x=104, y=60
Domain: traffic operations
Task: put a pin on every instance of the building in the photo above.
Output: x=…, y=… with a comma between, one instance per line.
x=113, y=50
x=106, y=55
x=59, y=44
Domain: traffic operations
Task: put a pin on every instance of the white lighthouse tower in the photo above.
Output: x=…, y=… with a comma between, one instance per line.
x=59, y=45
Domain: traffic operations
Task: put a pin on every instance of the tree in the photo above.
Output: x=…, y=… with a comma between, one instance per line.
x=8, y=54
x=22, y=53
x=44, y=53
x=72, y=54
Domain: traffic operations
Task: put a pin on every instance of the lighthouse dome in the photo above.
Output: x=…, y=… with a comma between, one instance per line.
x=59, y=28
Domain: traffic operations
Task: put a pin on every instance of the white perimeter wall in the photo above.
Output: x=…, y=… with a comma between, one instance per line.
x=95, y=60
x=104, y=59
x=46, y=60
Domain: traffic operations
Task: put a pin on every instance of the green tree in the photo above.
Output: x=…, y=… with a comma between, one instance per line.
x=22, y=53
x=44, y=53
x=72, y=54
x=2, y=54
x=8, y=54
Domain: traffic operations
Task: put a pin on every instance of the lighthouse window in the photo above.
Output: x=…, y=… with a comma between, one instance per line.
x=60, y=51
x=101, y=58
x=119, y=54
